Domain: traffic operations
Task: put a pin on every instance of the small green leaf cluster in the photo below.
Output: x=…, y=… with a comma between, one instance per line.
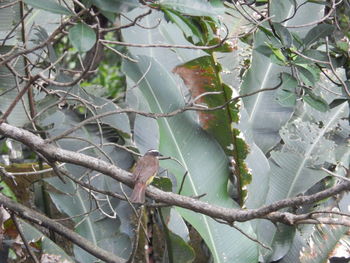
x=306, y=56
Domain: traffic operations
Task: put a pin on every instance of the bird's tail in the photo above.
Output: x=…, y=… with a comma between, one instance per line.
x=138, y=194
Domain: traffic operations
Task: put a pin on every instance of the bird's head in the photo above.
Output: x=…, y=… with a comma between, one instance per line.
x=153, y=153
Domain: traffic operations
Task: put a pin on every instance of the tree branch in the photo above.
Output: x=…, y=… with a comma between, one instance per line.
x=54, y=153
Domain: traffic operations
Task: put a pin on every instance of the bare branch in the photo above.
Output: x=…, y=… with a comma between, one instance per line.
x=229, y=215
x=162, y=45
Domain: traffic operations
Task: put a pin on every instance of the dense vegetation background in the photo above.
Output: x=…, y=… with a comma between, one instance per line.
x=247, y=100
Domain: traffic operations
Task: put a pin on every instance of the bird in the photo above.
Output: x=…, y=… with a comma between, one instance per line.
x=146, y=169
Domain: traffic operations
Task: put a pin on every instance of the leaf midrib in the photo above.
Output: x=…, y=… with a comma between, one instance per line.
x=312, y=147
x=205, y=220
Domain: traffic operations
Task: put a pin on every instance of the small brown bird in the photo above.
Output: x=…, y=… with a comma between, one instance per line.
x=145, y=170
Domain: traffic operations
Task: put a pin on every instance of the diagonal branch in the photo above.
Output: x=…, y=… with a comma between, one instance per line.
x=54, y=153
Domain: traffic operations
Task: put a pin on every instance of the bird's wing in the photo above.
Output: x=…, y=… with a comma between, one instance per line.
x=140, y=164
x=148, y=165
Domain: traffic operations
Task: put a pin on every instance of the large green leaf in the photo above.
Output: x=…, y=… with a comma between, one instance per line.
x=178, y=237
x=9, y=86
x=202, y=157
x=163, y=33
x=9, y=16
x=316, y=102
x=38, y=30
x=266, y=115
x=116, y=6
x=320, y=31
x=47, y=245
x=202, y=75
x=286, y=94
x=119, y=121
x=112, y=234
x=146, y=133
x=82, y=37
x=323, y=241
x=257, y=163
x=39, y=17
x=190, y=30
x=195, y=7
x=307, y=13
x=50, y=6
x=295, y=168
x=302, y=234
x=306, y=148
x=339, y=135
x=93, y=225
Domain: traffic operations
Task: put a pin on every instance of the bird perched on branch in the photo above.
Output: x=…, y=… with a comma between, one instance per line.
x=145, y=169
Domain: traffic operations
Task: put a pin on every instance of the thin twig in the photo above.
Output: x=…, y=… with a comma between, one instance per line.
x=18, y=97
x=156, y=115
x=25, y=241
x=250, y=237
x=182, y=182
x=4, y=174
x=335, y=175
x=9, y=4
x=331, y=10
x=311, y=59
x=334, y=71
x=137, y=236
x=133, y=22
x=119, y=53
x=162, y=45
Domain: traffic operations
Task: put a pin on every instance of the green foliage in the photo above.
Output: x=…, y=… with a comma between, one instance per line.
x=316, y=102
x=286, y=94
x=82, y=37
x=203, y=75
x=201, y=31
x=6, y=190
x=284, y=35
x=316, y=33
x=182, y=252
